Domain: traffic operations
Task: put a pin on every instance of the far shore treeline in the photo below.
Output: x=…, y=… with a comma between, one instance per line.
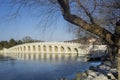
x=13, y=42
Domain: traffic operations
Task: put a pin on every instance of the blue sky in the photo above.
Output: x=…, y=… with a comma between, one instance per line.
x=28, y=25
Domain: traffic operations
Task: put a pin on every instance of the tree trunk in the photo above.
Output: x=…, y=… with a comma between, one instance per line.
x=117, y=41
x=113, y=51
x=118, y=61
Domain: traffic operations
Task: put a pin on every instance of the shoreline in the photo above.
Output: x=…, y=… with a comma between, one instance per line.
x=104, y=71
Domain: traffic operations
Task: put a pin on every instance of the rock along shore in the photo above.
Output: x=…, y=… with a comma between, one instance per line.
x=104, y=71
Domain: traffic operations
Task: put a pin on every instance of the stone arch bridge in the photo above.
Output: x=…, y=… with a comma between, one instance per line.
x=46, y=49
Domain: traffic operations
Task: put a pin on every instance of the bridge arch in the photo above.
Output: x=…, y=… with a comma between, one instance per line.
x=39, y=48
x=17, y=48
x=21, y=49
x=44, y=48
x=24, y=48
x=62, y=49
x=75, y=50
x=29, y=48
x=34, y=48
x=68, y=49
x=50, y=48
x=56, y=49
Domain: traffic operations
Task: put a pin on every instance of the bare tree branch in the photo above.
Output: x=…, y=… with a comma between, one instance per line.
x=87, y=13
x=96, y=29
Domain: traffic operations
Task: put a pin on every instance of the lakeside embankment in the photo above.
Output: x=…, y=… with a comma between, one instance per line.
x=104, y=71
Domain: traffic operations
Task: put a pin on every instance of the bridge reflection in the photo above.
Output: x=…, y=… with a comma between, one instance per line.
x=39, y=56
